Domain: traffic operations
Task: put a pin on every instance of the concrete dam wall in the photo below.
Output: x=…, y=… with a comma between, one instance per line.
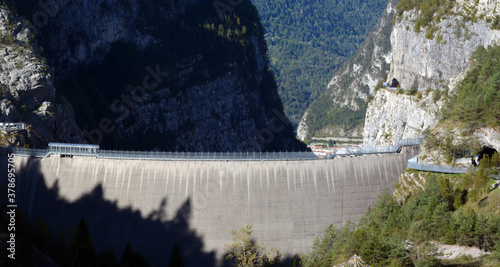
x=153, y=204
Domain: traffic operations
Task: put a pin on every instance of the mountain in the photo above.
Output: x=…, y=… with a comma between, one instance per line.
x=445, y=55
x=184, y=75
x=429, y=44
x=309, y=40
x=27, y=91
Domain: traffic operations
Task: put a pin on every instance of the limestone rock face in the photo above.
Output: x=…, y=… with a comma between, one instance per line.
x=302, y=130
x=414, y=59
x=27, y=92
x=391, y=117
x=489, y=137
x=198, y=105
x=481, y=8
x=421, y=63
x=430, y=64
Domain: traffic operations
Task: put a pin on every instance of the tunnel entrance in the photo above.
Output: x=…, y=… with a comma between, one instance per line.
x=486, y=150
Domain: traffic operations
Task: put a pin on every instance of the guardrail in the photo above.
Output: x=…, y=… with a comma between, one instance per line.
x=207, y=156
x=210, y=156
x=25, y=152
x=406, y=89
x=12, y=126
x=413, y=164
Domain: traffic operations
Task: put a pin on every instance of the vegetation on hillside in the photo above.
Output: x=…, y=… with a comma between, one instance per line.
x=308, y=41
x=324, y=113
x=476, y=101
x=245, y=252
x=449, y=211
x=430, y=12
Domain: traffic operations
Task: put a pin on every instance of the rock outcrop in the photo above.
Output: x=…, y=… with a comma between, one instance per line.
x=391, y=116
x=489, y=137
x=27, y=92
x=352, y=84
x=416, y=59
x=424, y=63
x=170, y=75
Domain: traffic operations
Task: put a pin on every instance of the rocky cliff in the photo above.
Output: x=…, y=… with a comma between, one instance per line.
x=423, y=60
x=171, y=75
x=391, y=117
x=27, y=92
x=436, y=57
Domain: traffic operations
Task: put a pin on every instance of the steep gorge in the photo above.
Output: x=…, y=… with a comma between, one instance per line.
x=167, y=75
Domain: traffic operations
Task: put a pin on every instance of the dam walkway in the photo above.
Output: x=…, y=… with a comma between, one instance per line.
x=414, y=164
x=69, y=150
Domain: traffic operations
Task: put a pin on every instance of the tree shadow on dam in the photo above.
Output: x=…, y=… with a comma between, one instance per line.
x=110, y=226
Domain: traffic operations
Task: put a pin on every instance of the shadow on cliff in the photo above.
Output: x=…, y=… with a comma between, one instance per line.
x=110, y=226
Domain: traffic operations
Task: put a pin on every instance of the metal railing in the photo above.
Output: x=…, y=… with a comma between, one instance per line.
x=73, y=149
x=378, y=149
x=12, y=126
x=406, y=89
x=25, y=152
x=210, y=156
x=413, y=164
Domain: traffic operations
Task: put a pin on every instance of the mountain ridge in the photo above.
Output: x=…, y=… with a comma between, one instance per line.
x=110, y=59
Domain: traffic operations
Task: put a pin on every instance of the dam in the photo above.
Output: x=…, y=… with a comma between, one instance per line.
x=197, y=203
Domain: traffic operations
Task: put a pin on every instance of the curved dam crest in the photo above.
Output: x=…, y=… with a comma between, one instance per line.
x=153, y=204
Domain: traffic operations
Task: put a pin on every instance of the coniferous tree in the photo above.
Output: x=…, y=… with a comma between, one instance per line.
x=176, y=259
x=133, y=259
x=82, y=246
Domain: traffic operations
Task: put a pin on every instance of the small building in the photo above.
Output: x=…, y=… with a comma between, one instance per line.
x=66, y=149
x=12, y=126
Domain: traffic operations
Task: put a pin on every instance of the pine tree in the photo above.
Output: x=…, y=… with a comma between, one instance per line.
x=176, y=259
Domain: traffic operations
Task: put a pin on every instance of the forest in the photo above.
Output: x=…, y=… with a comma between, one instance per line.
x=477, y=98
x=309, y=40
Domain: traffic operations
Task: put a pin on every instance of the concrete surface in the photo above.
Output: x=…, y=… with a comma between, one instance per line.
x=197, y=203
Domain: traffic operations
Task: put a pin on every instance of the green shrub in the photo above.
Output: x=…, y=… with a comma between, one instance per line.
x=496, y=23
x=436, y=95
x=413, y=91
x=7, y=39
x=4, y=89
x=477, y=97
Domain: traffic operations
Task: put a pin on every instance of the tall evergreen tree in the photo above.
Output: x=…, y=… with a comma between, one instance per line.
x=176, y=258
x=82, y=246
x=133, y=259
